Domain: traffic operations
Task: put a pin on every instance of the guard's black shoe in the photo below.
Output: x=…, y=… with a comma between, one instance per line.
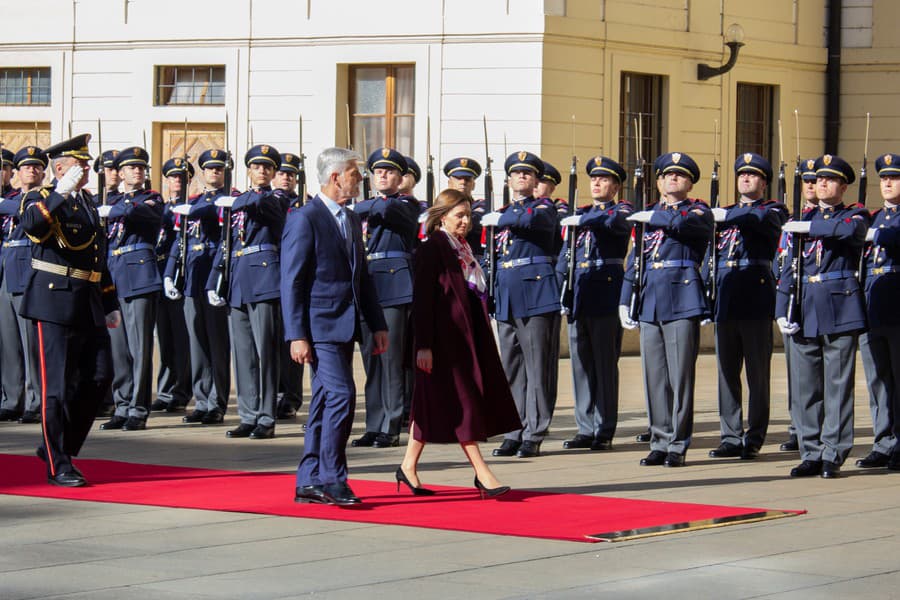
x=159, y=406
x=134, y=424
x=174, y=407
x=386, y=440
x=8, y=415
x=67, y=479
x=213, y=417
x=241, y=431
x=30, y=417
x=285, y=411
x=261, y=432
x=654, y=459
x=830, y=470
x=195, y=416
x=791, y=445
x=601, y=445
x=808, y=468
x=114, y=423
x=873, y=460
x=726, y=450
x=579, y=441
x=366, y=440
x=507, y=448
x=750, y=453
x=310, y=494
x=894, y=462
x=529, y=449
x=340, y=494
x=643, y=438
x=673, y=459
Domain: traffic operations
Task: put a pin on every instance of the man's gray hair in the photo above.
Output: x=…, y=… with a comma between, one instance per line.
x=59, y=160
x=334, y=160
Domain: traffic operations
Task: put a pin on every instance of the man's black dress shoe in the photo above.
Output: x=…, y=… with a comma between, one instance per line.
x=213, y=417
x=261, y=432
x=29, y=417
x=241, y=431
x=8, y=415
x=894, y=462
x=579, y=441
x=792, y=445
x=340, y=494
x=173, y=407
x=529, y=449
x=134, y=424
x=673, y=459
x=808, y=468
x=654, y=459
x=726, y=450
x=386, y=440
x=41, y=453
x=159, y=406
x=601, y=445
x=507, y=448
x=285, y=411
x=749, y=453
x=114, y=423
x=310, y=494
x=67, y=479
x=643, y=438
x=195, y=416
x=830, y=470
x=367, y=440
x=873, y=460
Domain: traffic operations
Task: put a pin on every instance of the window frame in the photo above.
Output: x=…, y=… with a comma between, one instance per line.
x=653, y=125
x=159, y=86
x=28, y=75
x=766, y=148
x=390, y=116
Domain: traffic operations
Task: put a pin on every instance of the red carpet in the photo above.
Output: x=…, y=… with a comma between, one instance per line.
x=520, y=513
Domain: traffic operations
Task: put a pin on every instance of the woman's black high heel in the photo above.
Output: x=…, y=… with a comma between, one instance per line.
x=490, y=492
x=416, y=491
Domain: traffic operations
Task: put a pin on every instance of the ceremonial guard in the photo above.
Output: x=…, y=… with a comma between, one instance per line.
x=133, y=221
x=601, y=235
x=392, y=229
x=412, y=177
x=70, y=297
x=547, y=184
x=107, y=163
x=832, y=314
x=290, y=385
x=880, y=345
x=207, y=325
x=7, y=162
x=746, y=243
x=257, y=221
x=461, y=175
x=671, y=305
x=20, y=372
x=173, y=380
x=526, y=299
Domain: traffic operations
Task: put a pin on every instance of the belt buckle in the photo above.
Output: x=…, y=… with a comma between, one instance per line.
x=815, y=278
x=507, y=264
x=878, y=271
x=656, y=265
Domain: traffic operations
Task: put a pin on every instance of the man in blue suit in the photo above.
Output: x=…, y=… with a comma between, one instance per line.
x=325, y=291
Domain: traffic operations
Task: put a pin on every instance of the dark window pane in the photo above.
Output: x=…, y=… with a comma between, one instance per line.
x=641, y=107
x=754, y=124
x=24, y=87
x=190, y=85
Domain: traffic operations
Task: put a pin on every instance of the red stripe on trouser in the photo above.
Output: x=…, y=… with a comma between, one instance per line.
x=44, y=400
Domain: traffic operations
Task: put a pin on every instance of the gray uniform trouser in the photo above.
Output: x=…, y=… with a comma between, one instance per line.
x=138, y=318
x=173, y=384
x=527, y=351
x=12, y=371
x=595, y=344
x=787, y=363
x=746, y=344
x=669, y=362
x=210, y=346
x=32, y=359
x=387, y=380
x=880, y=349
x=825, y=369
x=122, y=388
x=255, y=346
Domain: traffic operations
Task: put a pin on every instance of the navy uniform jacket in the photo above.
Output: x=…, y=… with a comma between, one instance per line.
x=746, y=245
x=832, y=298
x=392, y=230
x=883, y=270
x=675, y=242
x=257, y=221
x=66, y=232
x=526, y=237
x=133, y=228
x=15, y=259
x=600, y=250
x=479, y=209
x=325, y=289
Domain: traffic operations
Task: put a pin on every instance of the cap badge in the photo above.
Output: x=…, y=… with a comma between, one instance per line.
x=810, y=164
x=177, y=162
x=888, y=159
x=288, y=157
x=213, y=153
x=748, y=158
x=522, y=155
x=137, y=152
x=31, y=151
x=826, y=159
x=463, y=162
x=676, y=156
x=385, y=152
x=264, y=149
x=598, y=160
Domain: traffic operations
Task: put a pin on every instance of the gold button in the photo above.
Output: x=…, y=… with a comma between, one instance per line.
x=538, y=277
x=686, y=281
x=50, y=285
x=96, y=259
x=761, y=280
x=142, y=261
x=265, y=264
x=609, y=279
x=827, y=216
x=96, y=247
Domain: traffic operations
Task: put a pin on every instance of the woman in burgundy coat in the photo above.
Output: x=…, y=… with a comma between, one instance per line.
x=461, y=393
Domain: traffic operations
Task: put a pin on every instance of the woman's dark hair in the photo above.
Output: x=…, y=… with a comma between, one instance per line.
x=444, y=204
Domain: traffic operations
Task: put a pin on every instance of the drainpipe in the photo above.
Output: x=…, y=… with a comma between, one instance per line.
x=833, y=79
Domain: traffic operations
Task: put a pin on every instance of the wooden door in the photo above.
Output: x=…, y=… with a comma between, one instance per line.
x=17, y=134
x=169, y=141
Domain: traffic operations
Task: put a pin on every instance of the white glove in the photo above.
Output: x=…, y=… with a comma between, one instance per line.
x=571, y=221
x=787, y=328
x=641, y=217
x=870, y=235
x=114, y=319
x=626, y=321
x=705, y=322
x=181, y=209
x=214, y=298
x=225, y=201
x=796, y=227
x=719, y=214
x=103, y=210
x=67, y=184
x=172, y=292
x=491, y=219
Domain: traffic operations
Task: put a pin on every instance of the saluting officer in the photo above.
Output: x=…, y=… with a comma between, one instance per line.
x=257, y=221
x=173, y=383
x=746, y=242
x=823, y=348
x=133, y=221
x=71, y=299
x=393, y=225
x=672, y=304
x=207, y=325
x=595, y=334
x=461, y=175
x=880, y=346
x=20, y=372
x=526, y=301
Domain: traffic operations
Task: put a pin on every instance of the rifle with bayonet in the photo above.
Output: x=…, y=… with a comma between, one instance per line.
x=795, y=296
x=491, y=271
x=301, y=175
x=782, y=183
x=147, y=183
x=567, y=294
x=863, y=182
x=178, y=277
x=367, y=184
x=712, y=252
x=101, y=173
x=222, y=280
x=634, y=308
x=505, y=176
